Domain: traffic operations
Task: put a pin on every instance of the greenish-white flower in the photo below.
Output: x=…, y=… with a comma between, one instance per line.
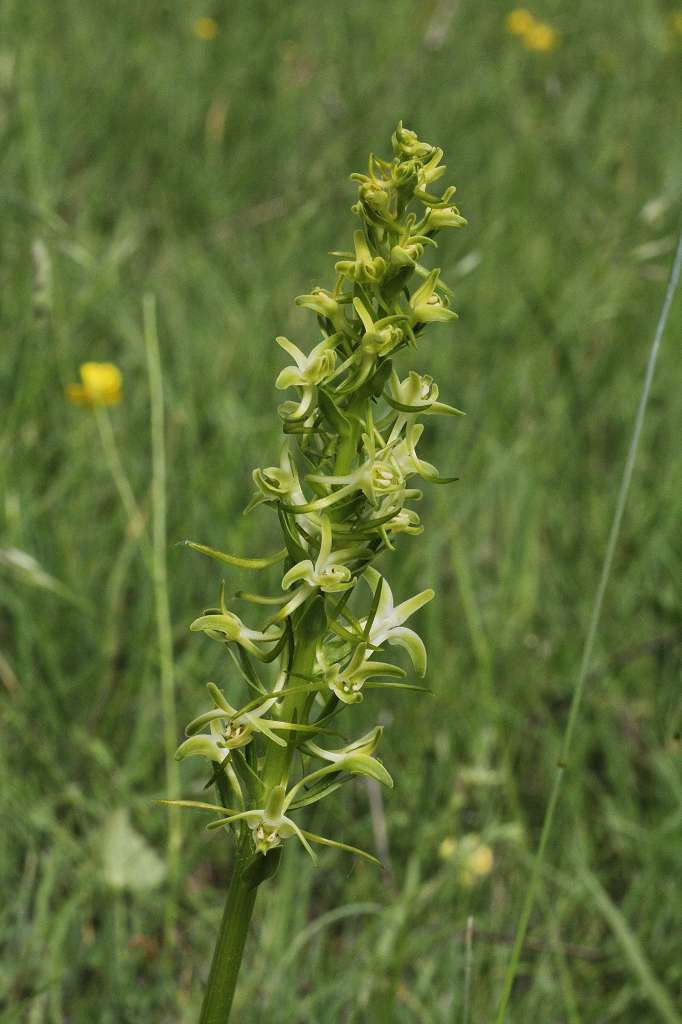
x=428, y=305
x=387, y=625
x=327, y=573
x=346, y=682
x=361, y=266
x=307, y=372
x=225, y=626
x=277, y=483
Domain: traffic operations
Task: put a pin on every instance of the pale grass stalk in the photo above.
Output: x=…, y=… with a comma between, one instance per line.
x=162, y=604
x=595, y=616
x=468, y=965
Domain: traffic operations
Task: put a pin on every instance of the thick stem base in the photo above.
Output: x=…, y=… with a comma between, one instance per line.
x=227, y=956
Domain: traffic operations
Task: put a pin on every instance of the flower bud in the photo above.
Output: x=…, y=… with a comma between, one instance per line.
x=406, y=144
x=445, y=217
x=321, y=302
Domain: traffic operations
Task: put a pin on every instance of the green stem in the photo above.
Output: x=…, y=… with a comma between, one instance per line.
x=278, y=759
x=348, y=444
x=307, y=631
x=227, y=956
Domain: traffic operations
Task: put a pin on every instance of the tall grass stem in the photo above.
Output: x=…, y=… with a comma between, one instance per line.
x=161, y=601
x=588, y=648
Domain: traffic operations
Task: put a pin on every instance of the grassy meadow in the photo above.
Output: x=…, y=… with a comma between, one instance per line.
x=213, y=173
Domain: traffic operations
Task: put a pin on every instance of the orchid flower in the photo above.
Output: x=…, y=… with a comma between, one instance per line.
x=387, y=625
x=415, y=396
x=277, y=482
x=378, y=339
x=364, y=268
x=347, y=683
x=326, y=305
x=427, y=305
x=327, y=573
x=309, y=371
x=225, y=626
x=231, y=728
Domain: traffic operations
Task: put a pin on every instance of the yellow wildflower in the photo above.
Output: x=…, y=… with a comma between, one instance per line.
x=676, y=21
x=481, y=861
x=205, y=29
x=101, y=384
x=448, y=848
x=520, y=21
x=474, y=859
x=540, y=37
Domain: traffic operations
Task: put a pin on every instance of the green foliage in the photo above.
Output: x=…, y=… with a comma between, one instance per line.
x=138, y=157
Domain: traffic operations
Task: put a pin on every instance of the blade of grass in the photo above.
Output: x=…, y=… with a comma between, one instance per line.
x=118, y=473
x=586, y=659
x=634, y=954
x=163, y=622
x=468, y=964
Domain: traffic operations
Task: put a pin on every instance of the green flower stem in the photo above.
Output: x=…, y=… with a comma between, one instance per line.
x=241, y=896
x=294, y=709
x=227, y=956
x=347, y=449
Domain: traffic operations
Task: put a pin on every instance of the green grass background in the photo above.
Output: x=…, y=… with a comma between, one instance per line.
x=215, y=175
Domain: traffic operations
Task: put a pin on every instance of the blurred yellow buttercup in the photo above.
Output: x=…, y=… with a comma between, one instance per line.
x=474, y=859
x=540, y=37
x=101, y=384
x=535, y=35
x=481, y=861
x=205, y=29
x=519, y=21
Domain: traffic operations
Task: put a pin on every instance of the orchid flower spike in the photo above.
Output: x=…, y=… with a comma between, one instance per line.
x=342, y=495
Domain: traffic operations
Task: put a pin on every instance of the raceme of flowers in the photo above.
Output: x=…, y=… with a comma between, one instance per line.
x=343, y=489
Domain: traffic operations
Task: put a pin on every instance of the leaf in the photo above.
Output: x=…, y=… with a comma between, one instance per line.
x=319, y=793
x=31, y=571
x=296, y=551
x=128, y=861
x=339, y=423
x=373, y=610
